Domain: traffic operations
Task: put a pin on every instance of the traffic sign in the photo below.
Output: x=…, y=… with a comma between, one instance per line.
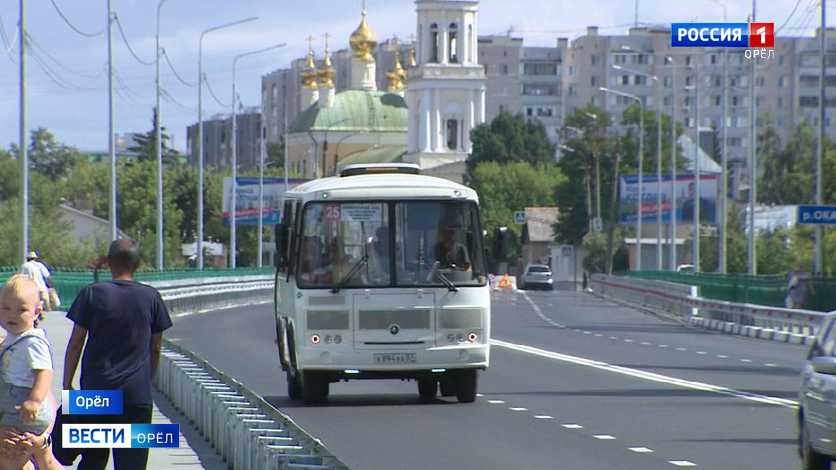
x=817, y=215
x=519, y=217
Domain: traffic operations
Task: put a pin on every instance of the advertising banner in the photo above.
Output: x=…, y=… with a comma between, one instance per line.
x=684, y=188
x=247, y=200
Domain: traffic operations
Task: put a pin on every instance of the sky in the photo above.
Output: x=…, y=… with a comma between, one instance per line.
x=70, y=98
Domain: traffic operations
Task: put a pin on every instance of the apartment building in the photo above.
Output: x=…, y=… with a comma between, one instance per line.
x=217, y=142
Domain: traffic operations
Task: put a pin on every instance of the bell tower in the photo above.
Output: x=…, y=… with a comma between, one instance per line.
x=446, y=89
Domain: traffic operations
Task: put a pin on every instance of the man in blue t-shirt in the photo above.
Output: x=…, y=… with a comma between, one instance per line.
x=122, y=322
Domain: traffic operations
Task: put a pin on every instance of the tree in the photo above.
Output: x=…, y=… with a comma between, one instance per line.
x=275, y=154
x=47, y=156
x=145, y=145
x=787, y=174
x=506, y=188
x=510, y=138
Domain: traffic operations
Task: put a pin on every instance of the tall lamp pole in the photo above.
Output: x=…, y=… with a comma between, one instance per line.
x=159, y=145
x=673, y=165
x=111, y=145
x=641, y=171
x=820, y=146
x=24, y=144
x=697, y=183
x=724, y=176
x=200, y=157
x=233, y=242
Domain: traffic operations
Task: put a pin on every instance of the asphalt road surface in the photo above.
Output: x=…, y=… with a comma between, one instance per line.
x=575, y=383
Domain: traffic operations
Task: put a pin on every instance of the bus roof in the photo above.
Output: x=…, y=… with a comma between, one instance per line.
x=383, y=186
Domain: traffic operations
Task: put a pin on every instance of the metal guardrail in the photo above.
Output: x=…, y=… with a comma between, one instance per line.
x=662, y=295
x=245, y=430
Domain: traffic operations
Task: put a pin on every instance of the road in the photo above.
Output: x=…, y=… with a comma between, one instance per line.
x=575, y=383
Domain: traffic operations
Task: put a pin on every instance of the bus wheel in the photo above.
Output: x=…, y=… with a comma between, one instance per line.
x=314, y=388
x=466, y=385
x=427, y=389
x=294, y=387
x=448, y=386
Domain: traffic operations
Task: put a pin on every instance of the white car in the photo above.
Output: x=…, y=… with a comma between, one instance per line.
x=537, y=276
x=817, y=400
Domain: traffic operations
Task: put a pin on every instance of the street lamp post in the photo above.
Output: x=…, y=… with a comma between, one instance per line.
x=200, y=157
x=641, y=171
x=673, y=165
x=233, y=241
x=159, y=146
x=658, y=160
x=696, y=219
x=724, y=191
x=23, y=146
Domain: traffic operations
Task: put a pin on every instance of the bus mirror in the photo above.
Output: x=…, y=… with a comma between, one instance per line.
x=279, y=235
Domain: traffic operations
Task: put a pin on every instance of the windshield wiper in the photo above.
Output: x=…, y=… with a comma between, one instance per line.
x=444, y=279
x=354, y=269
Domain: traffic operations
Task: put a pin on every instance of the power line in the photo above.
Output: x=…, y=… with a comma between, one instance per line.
x=9, y=45
x=70, y=24
x=60, y=64
x=128, y=44
x=794, y=8
x=209, y=87
x=171, y=66
x=170, y=99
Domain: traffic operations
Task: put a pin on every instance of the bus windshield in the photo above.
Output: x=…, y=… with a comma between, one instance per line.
x=390, y=244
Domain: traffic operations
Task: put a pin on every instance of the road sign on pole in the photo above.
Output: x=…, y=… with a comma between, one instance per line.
x=519, y=217
x=817, y=215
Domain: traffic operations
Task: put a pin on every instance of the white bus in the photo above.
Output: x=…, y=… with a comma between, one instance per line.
x=381, y=275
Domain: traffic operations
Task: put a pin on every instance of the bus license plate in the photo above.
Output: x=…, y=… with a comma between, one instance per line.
x=394, y=358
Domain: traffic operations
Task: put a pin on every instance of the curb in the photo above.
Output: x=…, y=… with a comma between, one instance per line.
x=751, y=331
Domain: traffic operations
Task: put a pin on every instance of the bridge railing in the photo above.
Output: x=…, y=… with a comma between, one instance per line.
x=686, y=302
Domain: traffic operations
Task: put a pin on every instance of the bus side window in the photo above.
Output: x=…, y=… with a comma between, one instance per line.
x=284, y=237
x=293, y=230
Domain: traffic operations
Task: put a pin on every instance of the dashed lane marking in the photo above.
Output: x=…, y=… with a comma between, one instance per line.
x=496, y=402
x=746, y=360
x=722, y=356
x=604, y=437
x=681, y=349
x=645, y=343
x=702, y=353
x=770, y=364
x=543, y=417
x=628, y=340
x=644, y=375
x=572, y=426
x=682, y=463
x=516, y=408
x=641, y=450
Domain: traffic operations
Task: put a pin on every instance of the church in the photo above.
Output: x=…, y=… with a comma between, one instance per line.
x=434, y=97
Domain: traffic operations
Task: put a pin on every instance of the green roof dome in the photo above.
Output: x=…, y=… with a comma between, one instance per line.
x=356, y=111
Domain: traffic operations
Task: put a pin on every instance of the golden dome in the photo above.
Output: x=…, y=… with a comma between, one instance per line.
x=363, y=41
x=326, y=73
x=309, y=75
x=411, y=61
x=396, y=76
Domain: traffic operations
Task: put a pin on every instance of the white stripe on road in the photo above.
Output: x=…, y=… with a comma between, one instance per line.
x=543, y=417
x=641, y=450
x=640, y=374
x=682, y=463
x=650, y=376
x=518, y=409
x=572, y=426
x=496, y=402
x=604, y=437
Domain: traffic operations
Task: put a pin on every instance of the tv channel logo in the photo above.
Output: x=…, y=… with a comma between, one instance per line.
x=751, y=35
x=91, y=402
x=120, y=436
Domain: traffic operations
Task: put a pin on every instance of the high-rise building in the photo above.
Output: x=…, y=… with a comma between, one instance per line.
x=217, y=142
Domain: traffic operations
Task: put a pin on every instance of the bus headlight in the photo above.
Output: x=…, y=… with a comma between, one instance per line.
x=472, y=337
x=315, y=339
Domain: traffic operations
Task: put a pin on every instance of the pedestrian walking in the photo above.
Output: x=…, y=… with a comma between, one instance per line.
x=122, y=322
x=38, y=273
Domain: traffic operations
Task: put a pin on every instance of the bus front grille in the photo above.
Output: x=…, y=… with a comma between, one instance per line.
x=384, y=319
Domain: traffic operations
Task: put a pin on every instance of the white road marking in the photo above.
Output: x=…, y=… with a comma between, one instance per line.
x=649, y=376
x=722, y=356
x=518, y=409
x=496, y=402
x=604, y=437
x=645, y=343
x=702, y=353
x=641, y=450
x=572, y=426
x=587, y=332
x=681, y=349
x=543, y=417
x=663, y=345
x=613, y=337
x=682, y=463
x=479, y=395
x=746, y=360
x=628, y=340
x=770, y=364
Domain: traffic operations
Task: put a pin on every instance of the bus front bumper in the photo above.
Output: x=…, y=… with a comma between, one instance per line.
x=410, y=362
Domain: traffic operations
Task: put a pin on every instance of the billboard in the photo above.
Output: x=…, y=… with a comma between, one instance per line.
x=684, y=187
x=246, y=200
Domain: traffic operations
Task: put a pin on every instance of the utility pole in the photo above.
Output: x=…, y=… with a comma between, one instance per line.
x=659, y=253
x=262, y=151
x=24, y=141
x=673, y=167
x=820, y=150
x=753, y=169
x=233, y=205
x=159, y=147
x=110, y=125
x=697, y=187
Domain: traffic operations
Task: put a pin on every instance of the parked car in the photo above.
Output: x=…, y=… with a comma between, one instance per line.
x=537, y=275
x=817, y=400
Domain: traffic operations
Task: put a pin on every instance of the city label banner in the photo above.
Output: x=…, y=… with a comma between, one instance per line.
x=120, y=436
x=817, y=215
x=247, y=200
x=684, y=187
